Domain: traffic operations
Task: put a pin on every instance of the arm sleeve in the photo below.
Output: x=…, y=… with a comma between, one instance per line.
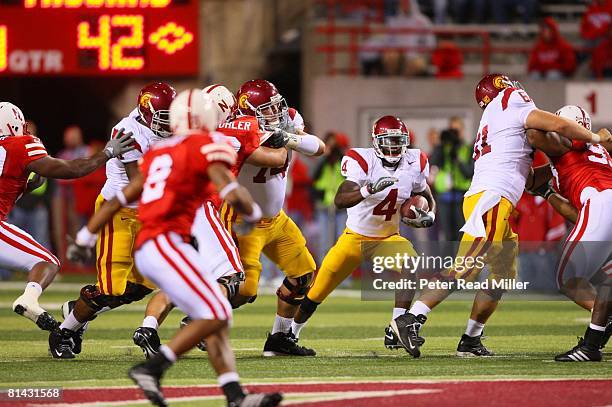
x=34, y=149
x=352, y=170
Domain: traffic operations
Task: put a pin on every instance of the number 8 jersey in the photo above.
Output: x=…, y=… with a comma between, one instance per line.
x=378, y=215
x=502, y=153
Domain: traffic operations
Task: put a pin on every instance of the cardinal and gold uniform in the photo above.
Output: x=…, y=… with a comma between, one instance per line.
x=374, y=220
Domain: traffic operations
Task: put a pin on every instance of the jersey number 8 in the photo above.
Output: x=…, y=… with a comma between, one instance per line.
x=159, y=171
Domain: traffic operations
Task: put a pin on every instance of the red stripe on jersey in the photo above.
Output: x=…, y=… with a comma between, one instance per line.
x=32, y=242
x=109, y=259
x=568, y=254
x=189, y=109
x=360, y=160
x=292, y=112
x=100, y=256
x=423, y=161
x=506, y=97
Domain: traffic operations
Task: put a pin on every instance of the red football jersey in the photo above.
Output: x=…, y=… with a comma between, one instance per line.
x=16, y=152
x=584, y=166
x=176, y=182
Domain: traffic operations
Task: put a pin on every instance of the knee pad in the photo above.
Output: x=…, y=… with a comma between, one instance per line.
x=232, y=285
x=97, y=300
x=308, y=306
x=134, y=292
x=297, y=291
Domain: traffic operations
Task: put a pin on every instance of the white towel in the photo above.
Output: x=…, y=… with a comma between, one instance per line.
x=474, y=225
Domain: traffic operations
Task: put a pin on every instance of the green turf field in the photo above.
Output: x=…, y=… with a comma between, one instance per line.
x=346, y=332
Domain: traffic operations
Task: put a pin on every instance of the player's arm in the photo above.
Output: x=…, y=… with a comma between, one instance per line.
x=431, y=202
x=304, y=143
x=548, y=122
x=552, y=144
x=558, y=202
x=350, y=193
x=235, y=194
x=51, y=167
x=268, y=157
x=538, y=176
x=606, y=144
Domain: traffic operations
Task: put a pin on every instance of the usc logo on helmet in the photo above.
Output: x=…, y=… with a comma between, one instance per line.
x=500, y=83
x=145, y=100
x=242, y=101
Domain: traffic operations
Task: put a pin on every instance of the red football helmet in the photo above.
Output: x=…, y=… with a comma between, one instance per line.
x=490, y=86
x=261, y=99
x=154, y=107
x=390, y=138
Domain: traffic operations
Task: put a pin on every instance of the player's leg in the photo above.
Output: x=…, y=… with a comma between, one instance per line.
x=19, y=250
x=146, y=336
x=173, y=265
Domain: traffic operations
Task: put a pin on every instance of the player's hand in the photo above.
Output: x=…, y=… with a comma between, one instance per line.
x=278, y=139
x=605, y=135
x=121, y=144
x=248, y=222
x=78, y=254
x=35, y=181
x=545, y=190
x=380, y=184
x=424, y=220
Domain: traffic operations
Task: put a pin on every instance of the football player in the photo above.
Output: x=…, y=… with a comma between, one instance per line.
x=583, y=173
x=118, y=281
x=215, y=243
x=503, y=157
x=20, y=155
x=378, y=180
x=276, y=235
x=176, y=177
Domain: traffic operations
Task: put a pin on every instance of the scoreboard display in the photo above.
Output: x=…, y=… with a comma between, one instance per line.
x=99, y=37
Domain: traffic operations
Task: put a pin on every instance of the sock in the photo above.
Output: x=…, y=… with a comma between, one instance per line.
x=597, y=327
x=281, y=324
x=168, y=353
x=296, y=328
x=231, y=387
x=71, y=323
x=398, y=311
x=150, y=322
x=594, y=337
x=474, y=328
x=420, y=308
x=34, y=289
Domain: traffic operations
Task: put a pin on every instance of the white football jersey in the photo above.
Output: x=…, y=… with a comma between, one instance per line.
x=116, y=176
x=268, y=186
x=378, y=215
x=502, y=153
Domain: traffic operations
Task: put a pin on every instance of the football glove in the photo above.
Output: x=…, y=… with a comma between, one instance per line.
x=278, y=139
x=78, y=254
x=35, y=181
x=379, y=185
x=424, y=220
x=122, y=143
x=545, y=190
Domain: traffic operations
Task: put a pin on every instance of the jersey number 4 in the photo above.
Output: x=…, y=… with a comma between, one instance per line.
x=387, y=207
x=481, y=147
x=159, y=171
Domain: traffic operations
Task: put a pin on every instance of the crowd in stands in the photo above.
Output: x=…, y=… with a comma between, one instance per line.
x=551, y=57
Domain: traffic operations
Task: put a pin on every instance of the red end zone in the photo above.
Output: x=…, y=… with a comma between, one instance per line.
x=361, y=394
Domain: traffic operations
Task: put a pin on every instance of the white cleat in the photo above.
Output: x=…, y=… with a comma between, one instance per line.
x=32, y=310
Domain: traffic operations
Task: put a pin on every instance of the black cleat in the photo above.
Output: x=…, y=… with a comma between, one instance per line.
x=147, y=376
x=148, y=340
x=77, y=336
x=406, y=328
x=471, y=346
x=202, y=344
x=285, y=344
x=391, y=340
x=44, y=320
x=258, y=400
x=580, y=353
x=60, y=344
x=607, y=333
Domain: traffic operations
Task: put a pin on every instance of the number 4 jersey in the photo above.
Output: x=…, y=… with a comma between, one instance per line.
x=177, y=183
x=502, y=153
x=378, y=215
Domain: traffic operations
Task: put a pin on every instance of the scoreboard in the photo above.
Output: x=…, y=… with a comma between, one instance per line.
x=99, y=37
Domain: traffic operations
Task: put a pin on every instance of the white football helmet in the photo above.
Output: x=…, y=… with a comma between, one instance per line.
x=224, y=99
x=577, y=114
x=12, y=122
x=193, y=109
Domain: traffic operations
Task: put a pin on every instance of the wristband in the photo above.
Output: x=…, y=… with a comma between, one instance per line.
x=432, y=215
x=85, y=238
x=364, y=191
x=595, y=138
x=121, y=198
x=255, y=216
x=228, y=188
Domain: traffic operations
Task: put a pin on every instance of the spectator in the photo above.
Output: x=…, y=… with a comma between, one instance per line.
x=601, y=63
x=452, y=170
x=552, y=57
x=501, y=9
x=413, y=61
x=299, y=201
x=370, y=60
x=596, y=21
x=465, y=11
x=327, y=180
x=447, y=59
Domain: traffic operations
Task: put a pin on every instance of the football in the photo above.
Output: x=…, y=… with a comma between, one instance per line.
x=408, y=207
